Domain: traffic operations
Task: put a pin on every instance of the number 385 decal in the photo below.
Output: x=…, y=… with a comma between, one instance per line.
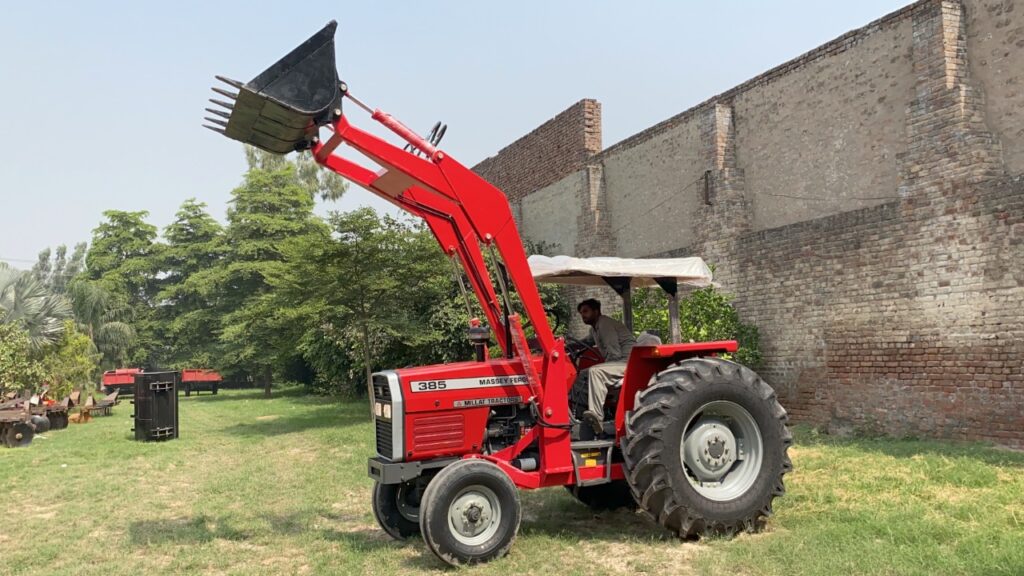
x=430, y=385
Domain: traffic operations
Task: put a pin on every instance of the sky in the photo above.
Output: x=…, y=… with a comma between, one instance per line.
x=101, y=103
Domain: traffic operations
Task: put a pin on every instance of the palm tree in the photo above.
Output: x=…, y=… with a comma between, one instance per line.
x=104, y=318
x=26, y=301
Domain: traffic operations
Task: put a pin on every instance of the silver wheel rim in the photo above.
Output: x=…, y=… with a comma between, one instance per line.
x=474, y=515
x=721, y=451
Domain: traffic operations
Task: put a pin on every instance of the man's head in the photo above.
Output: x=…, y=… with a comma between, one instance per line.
x=590, y=310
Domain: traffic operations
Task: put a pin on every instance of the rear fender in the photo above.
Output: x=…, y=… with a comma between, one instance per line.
x=646, y=361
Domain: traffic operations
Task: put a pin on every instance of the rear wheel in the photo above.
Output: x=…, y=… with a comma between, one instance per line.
x=470, y=513
x=705, y=448
x=397, y=508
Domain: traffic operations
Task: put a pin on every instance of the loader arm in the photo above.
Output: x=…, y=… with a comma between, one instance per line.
x=459, y=206
x=446, y=223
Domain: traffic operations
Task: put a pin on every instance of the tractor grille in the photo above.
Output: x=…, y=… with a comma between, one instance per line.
x=384, y=440
x=388, y=423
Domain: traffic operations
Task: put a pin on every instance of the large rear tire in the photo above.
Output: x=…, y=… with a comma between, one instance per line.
x=705, y=448
x=470, y=513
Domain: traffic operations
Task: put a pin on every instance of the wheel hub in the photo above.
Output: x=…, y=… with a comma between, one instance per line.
x=474, y=516
x=710, y=449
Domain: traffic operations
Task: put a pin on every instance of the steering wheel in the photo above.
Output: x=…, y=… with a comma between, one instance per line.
x=579, y=350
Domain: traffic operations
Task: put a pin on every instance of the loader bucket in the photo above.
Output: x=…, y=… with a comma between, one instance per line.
x=281, y=109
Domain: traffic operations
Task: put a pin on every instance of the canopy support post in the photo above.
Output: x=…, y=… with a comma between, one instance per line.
x=621, y=284
x=671, y=287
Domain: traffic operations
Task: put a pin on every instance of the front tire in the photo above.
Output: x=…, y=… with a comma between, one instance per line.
x=396, y=508
x=470, y=513
x=705, y=448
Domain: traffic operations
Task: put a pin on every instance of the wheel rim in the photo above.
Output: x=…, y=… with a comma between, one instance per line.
x=407, y=509
x=474, y=515
x=722, y=450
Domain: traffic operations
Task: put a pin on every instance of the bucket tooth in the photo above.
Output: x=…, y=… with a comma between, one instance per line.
x=233, y=83
x=215, y=121
x=217, y=130
x=222, y=92
x=227, y=105
x=220, y=113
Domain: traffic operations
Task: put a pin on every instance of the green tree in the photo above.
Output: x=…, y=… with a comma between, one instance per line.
x=186, y=316
x=121, y=257
x=18, y=368
x=106, y=318
x=57, y=273
x=269, y=208
x=307, y=173
x=26, y=302
x=366, y=286
x=71, y=362
x=124, y=262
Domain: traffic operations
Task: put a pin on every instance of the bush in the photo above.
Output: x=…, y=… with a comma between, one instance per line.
x=705, y=315
x=72, y=362
x=18, y=368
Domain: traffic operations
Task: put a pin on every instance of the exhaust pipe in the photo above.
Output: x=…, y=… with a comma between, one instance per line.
x=281, y=109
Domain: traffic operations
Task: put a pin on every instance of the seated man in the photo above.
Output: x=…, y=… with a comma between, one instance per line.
x=614, y=341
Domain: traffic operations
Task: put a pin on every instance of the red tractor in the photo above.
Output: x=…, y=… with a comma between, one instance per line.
x=697, y=442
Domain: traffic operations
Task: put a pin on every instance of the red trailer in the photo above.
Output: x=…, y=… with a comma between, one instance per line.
x=122, y=379
x=200, y=378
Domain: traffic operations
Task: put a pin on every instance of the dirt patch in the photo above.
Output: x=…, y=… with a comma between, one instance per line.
x=672, y=557
x=268, y=417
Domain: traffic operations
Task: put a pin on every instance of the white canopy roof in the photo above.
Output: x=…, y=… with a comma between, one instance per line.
x=643, y=271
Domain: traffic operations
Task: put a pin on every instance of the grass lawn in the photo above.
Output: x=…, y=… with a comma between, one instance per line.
x=258, y=486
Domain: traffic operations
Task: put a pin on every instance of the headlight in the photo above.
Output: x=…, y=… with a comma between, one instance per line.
x=387, y=411
x=378, y=408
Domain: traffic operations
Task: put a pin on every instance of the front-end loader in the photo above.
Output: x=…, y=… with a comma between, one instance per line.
x=696, y=442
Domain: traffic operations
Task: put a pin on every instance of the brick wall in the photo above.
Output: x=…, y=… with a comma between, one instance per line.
x=865, y=206
x=556, y=148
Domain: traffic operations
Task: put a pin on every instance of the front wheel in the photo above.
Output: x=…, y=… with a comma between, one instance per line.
x=470, y=513
x=705, y=448
x=397, y=508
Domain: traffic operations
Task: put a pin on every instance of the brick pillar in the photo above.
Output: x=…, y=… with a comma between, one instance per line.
x=725, y=213
x=948, y=139
x=594, y=237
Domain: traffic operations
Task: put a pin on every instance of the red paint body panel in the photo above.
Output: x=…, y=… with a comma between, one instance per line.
x=200, y=375
x=646, y=361
x=429, y=398
x=120, y=377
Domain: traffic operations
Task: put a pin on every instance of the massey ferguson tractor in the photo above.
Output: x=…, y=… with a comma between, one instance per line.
x=695, y=441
